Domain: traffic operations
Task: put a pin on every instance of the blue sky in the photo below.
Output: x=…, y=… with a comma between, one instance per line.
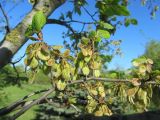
x=134, y=37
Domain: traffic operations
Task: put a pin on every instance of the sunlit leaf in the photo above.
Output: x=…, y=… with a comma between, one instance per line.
x=94, y=92
x=106, y=25
x=87, y=59
x=103, y=33
x=34, y=63
x=135, y=63
x=72, y=100
x=142, y=69
x=61, y=85
x=38, y=21
x=81, y=63
x=42, y=56
x=97, y=73
x=66, y=74
x=85, y=70
x=57, y=47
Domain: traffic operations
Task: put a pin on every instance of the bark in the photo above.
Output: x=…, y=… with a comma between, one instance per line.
x=15, y=39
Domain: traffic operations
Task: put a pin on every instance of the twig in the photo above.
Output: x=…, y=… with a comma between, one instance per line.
x=54, y=21
x=32, y=104
x=11, y=107
x=66, y=23
x=18, y=60
x=109, y=80
x=92, y=16
x=83, y=27
x=6, y=19
x=50, y=100
x=98, y=79
x=77, y=110
x=15, y=69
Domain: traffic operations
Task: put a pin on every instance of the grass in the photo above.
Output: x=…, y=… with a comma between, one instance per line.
x=14, y=93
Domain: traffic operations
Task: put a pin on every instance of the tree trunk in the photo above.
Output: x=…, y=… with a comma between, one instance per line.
x=14, y=40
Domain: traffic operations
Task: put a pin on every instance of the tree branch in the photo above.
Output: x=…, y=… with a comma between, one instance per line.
x=13, y=106
x=32, y=104
x=55, y=21
x=98, y=79
x=25, y=106
x=67, y=25
x=18, y=60
x=92, y=16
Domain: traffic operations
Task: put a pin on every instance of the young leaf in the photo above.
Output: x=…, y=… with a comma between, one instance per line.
x=61, y=85
x=106, y=25
x=96, y=73
x=42, y=56
x=103, y=33
x=134, y=21
x=85, y=70
x=38, y=21
x=34, y=63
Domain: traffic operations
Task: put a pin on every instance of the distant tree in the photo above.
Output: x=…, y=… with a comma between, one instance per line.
x=8, y=75
x=152, y=51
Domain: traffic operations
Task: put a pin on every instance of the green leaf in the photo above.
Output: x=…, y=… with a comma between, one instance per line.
x=38, y=21
x=150, y=61
x=134, y=21
x=135, y=63
x=106, y=25
x=130, y=21
x=34, y=63
x=109, y=8
x=81, y=63
x=142, y=69
x=95, y=65
x=77, y=10
x=85, y=70
x=42, y=56
x=122, y=10
x=85, y=40
x=92, y=34
x=61, y=85
x=72, y=100
x=87, y=58
x=66, y=74
x=96, y=73
x=142, y=95
x=127, y=22
x=46, y=69
x=69, y=14
x=27, y=61
x=103, y=33
x=94, y=92
x=57, y=47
